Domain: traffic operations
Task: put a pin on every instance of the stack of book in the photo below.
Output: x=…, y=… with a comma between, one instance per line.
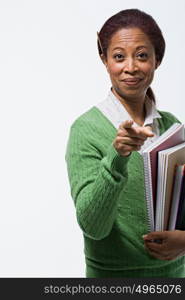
x=164, y=172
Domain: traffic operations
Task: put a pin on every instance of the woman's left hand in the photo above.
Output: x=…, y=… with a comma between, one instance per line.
x=165, y=245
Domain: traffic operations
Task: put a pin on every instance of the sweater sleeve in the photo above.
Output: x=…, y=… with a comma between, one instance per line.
x=95, y=181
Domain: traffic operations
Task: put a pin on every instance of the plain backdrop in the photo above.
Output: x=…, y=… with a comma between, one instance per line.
x=50, y=73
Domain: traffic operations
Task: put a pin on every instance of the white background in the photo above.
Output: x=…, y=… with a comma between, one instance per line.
x=50, y=73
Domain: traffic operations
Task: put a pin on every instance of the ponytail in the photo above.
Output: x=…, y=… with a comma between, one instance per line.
x=151, y=95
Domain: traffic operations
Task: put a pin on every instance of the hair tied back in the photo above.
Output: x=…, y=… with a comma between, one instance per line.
x=99, y=42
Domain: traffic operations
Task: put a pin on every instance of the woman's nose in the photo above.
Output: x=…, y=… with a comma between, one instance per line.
x=130, y=65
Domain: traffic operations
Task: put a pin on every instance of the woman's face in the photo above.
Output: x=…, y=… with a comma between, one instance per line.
x=130, y=63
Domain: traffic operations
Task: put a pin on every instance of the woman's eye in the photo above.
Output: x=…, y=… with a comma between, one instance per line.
x=142, y=56
x=118, y=57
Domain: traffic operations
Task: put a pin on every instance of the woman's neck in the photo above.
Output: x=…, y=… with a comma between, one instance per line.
x=135, y=107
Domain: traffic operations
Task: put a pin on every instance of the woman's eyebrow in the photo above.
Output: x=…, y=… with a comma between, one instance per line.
x=141, y=47
x=137, y=48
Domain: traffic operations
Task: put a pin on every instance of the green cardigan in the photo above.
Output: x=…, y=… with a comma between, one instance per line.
x=108, y=192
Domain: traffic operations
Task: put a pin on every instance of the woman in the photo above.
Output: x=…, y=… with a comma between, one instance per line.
x=105, y=166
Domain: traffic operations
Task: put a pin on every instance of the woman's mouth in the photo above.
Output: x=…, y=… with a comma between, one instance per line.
x=131, y=81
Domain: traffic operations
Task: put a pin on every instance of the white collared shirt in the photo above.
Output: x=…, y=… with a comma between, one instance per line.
x=116, y=113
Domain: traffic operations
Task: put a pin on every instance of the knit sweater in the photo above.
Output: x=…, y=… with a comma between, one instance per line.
x=109, y=197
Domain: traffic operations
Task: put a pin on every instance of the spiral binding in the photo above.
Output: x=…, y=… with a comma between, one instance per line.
x=148, y=190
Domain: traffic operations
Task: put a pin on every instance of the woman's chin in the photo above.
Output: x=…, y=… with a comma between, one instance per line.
x=131, y=94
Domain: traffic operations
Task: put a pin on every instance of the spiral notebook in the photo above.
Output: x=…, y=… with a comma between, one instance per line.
x=180, y=219
x=167, y=161
x=178, y=199
x=172, y=137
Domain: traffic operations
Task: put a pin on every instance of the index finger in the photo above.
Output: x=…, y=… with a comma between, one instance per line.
x=147, y=132
x=156, y=235
x=140, y=132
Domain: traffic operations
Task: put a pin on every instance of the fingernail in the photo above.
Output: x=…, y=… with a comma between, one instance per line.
x=144, y=236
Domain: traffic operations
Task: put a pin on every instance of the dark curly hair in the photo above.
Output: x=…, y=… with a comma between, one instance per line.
x=131, y=18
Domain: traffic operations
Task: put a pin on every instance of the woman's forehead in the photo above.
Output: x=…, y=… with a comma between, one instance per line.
x=129, y=36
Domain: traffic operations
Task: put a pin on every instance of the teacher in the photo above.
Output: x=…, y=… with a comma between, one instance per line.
x=104, y=161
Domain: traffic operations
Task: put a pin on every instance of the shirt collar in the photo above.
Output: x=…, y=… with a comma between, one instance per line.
x=151, y=111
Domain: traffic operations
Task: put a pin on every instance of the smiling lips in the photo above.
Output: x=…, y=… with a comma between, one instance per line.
x=131, y=81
